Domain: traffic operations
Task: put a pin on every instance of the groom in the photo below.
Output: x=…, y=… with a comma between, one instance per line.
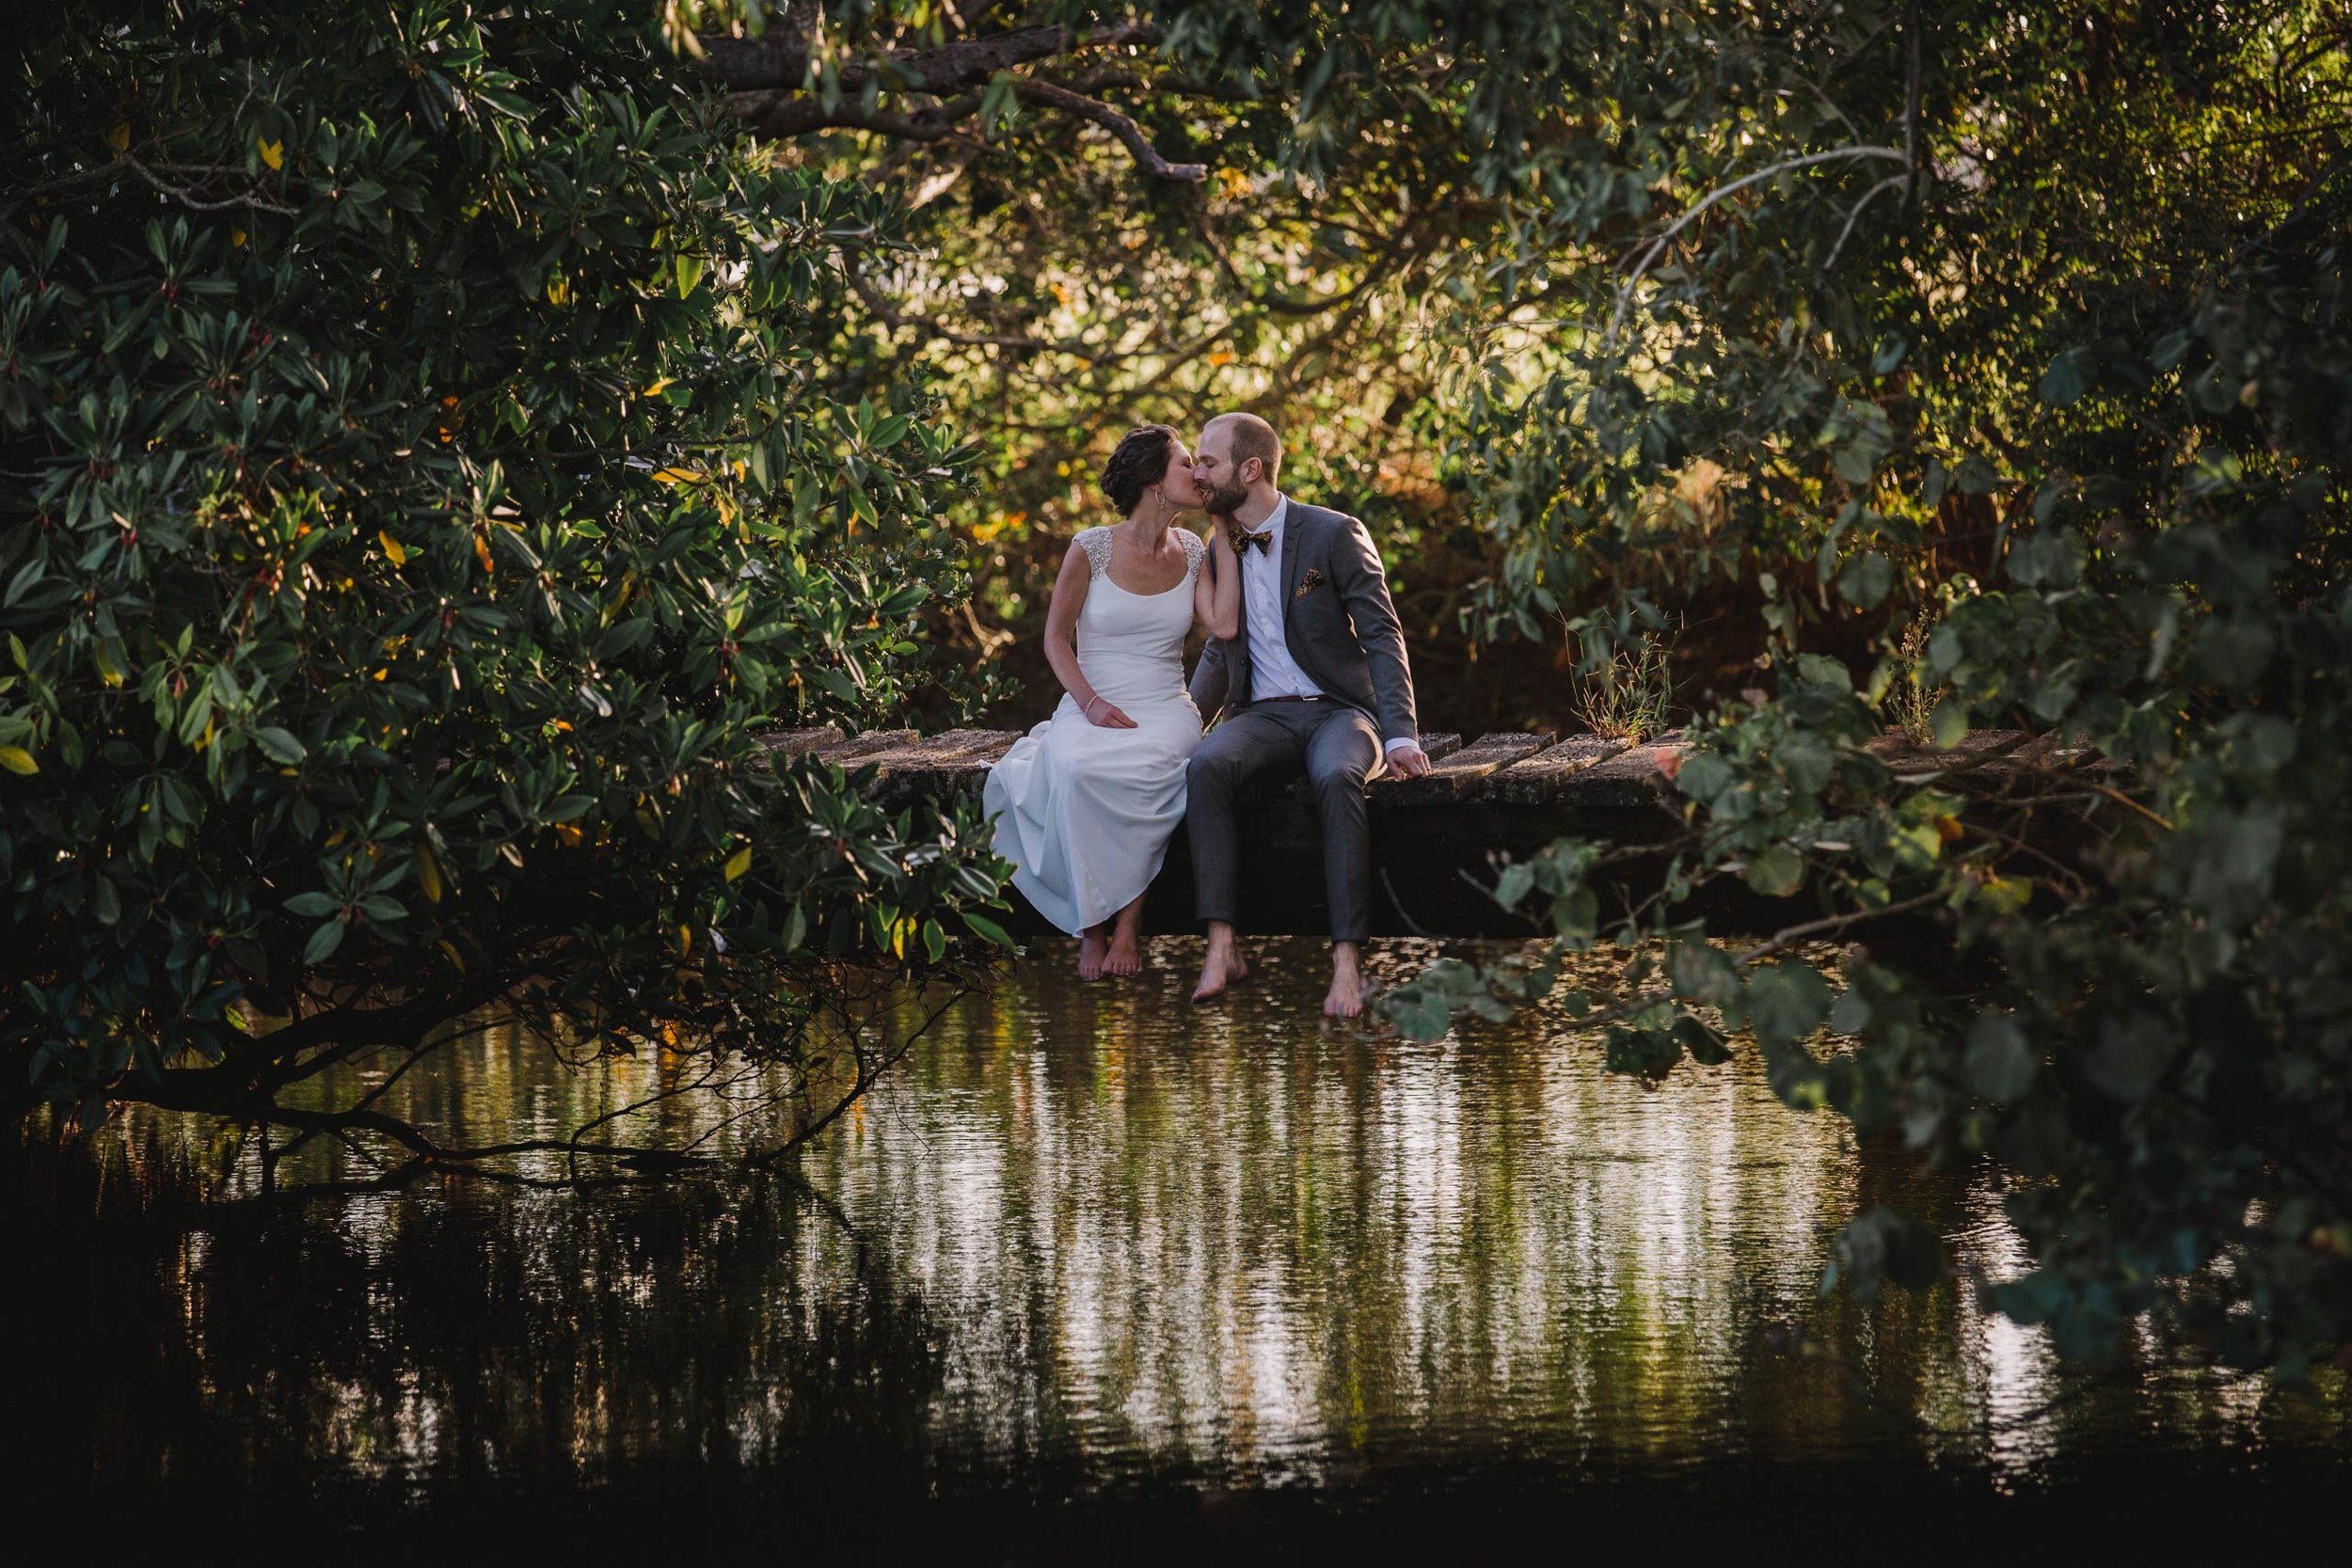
x=1316, y=683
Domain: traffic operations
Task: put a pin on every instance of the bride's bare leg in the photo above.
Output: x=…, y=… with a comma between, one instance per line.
x=1092, y=950
x=1126, y=951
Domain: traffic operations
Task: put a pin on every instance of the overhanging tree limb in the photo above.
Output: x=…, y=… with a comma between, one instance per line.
x=780, y=60
x=1130, y=134
x=1657, y=247
x=770, y=85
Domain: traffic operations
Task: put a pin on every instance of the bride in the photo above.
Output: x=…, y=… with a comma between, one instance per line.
x=1085, y=802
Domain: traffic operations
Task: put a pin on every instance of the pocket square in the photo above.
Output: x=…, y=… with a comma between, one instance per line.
x=1308, y=585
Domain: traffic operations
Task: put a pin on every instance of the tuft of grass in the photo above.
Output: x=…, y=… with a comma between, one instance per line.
x=1911, y=701
x=1626, y=698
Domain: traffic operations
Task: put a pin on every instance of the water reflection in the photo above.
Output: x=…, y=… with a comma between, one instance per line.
x=1089, y=1238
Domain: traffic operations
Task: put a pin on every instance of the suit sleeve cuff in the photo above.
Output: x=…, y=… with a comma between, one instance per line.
x=1402, y=741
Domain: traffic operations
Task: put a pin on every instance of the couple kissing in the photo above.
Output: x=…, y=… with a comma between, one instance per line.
x=1304, y=672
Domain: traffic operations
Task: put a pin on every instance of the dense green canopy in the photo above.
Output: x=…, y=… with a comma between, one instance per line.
x=420, y=493
x=1940, y=364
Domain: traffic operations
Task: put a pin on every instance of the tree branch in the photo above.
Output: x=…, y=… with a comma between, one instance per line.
x=1657, y=247
x=771, y=114
x=891, y=316
x=1129, y=133
x=188, y=199
x=780, y=60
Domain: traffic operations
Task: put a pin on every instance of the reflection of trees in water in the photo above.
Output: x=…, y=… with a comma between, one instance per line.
x=497, y=1340
x=1090, y=1231
x=1236, y=1240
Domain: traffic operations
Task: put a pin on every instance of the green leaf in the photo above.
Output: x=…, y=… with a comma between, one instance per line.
x=1976, y=476
x=1705, y=777
x=1864, y=580
x=2000, y=1065
x=2046, y=558
x=1701, y=972
x=279, y=745
x=2132, y=1055
x=1788, y=1000
x=620, y=637
x=988, y=929
x=1775, y=873
x=323, y=942
x=1949, y=722
x=16, y=759
x=2068, y=377
x=311, y=905
x=1707, y=1047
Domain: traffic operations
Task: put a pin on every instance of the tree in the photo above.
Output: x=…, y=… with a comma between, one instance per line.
x=420, y=497
x=2031, y=331
x=2020, y=334
x=1126, y=214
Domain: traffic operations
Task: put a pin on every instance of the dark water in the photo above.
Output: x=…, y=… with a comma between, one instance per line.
x=1095, y=1268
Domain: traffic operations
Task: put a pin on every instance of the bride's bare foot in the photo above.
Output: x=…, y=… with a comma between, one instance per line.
x=1126, y=950
x=1092, y=950
x=1345, y=998
x=1223, y=966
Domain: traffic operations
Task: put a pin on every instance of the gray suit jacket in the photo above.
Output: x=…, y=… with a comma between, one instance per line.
x=1341, y=628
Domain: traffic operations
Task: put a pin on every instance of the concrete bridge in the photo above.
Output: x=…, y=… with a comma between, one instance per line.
x=1436, y=840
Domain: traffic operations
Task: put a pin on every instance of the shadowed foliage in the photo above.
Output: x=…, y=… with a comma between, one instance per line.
x=418, y=494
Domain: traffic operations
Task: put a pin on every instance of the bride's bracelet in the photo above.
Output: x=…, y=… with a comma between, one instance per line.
x=1087, y=709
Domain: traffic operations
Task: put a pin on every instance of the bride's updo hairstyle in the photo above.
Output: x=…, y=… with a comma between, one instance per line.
x=1139, y=462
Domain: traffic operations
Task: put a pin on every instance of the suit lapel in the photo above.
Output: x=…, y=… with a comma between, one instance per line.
x=1238, y=677
x=1294, y=523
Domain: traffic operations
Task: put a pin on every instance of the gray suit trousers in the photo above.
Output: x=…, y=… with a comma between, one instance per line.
x=1253, y=753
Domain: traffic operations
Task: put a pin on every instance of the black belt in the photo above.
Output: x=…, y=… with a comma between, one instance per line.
x=1287, y=698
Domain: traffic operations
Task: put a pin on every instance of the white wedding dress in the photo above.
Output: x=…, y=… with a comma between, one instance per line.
x=1084, y=812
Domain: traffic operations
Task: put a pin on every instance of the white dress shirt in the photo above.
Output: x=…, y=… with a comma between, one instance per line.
x=1273, y=672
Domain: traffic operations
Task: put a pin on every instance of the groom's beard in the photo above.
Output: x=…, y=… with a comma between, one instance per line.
x=1228, y=499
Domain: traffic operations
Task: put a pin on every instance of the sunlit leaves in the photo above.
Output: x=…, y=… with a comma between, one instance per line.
x=2100, y=448
x=423, y=503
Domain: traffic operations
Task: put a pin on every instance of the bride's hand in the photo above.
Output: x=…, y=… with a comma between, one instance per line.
x=1101, y=712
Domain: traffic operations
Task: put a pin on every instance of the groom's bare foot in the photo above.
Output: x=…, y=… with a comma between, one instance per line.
x=1345, y=998
x=1092, y=951
x=1222, y=967
x=1126, y=949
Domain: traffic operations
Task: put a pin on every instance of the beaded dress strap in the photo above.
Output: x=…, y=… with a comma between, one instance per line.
x=1096, y=542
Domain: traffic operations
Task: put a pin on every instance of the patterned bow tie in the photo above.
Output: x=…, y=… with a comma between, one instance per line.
x=1261, y=541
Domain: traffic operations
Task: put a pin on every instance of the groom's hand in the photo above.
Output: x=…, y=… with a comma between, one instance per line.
x=1409, y=761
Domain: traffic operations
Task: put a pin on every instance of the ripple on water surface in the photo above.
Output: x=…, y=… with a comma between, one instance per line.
x=1092, y=1236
